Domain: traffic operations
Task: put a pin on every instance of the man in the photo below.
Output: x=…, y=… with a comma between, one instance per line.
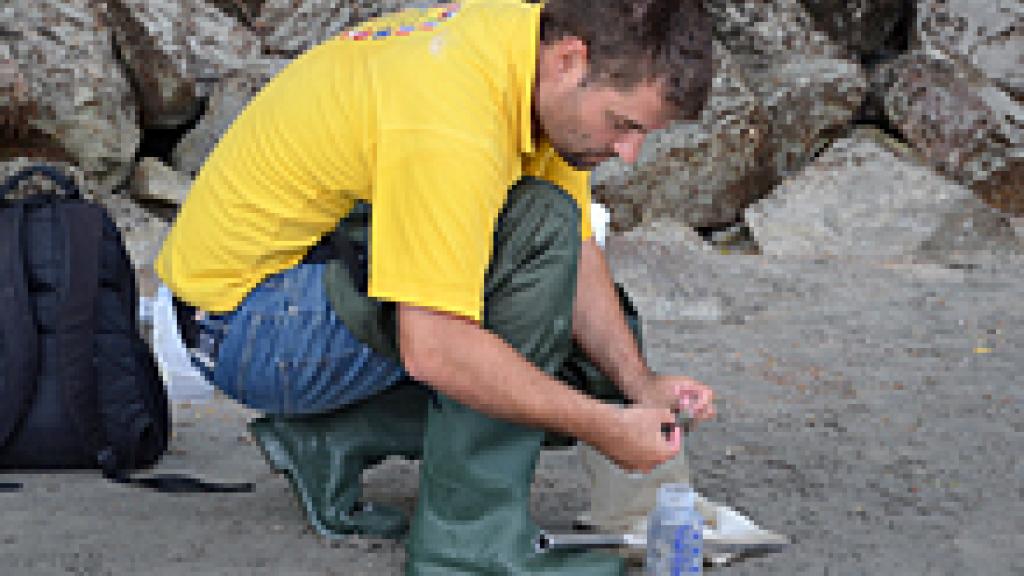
x=461, y=137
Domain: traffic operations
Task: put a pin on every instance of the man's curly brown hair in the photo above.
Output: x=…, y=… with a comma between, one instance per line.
x=630, y=42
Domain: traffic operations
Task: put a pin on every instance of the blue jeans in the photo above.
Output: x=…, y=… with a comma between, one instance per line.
x=285, y=352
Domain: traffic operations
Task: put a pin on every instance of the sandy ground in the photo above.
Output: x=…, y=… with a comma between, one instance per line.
x=870, y=410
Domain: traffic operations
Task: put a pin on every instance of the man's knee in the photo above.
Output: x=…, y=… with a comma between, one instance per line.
x=534, y=205
x=531, y=282
x=537, y=233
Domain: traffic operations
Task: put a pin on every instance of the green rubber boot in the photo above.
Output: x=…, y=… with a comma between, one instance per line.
x=324, y=456
x=472, y=515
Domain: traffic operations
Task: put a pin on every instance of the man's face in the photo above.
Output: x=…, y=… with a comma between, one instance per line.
x=588, y=121
x=596, y=122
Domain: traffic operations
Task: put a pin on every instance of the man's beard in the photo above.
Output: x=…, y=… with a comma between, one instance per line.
x=587, y=160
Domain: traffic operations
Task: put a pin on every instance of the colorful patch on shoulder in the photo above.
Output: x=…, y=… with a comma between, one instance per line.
x=403, y=23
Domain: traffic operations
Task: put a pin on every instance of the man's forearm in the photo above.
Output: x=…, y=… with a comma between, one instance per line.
x=599, y=324
x=477, y=368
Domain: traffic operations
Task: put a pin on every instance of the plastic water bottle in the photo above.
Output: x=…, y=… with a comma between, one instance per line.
x=675, y=540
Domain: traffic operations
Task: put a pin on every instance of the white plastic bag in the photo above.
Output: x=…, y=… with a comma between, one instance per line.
x=600, y=217
x=183, y=381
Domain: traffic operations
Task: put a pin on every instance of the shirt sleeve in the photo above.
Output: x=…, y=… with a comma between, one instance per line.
x=436, y=199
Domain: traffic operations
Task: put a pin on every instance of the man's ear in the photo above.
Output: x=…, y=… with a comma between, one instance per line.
x=576, y=59
x=567, y=60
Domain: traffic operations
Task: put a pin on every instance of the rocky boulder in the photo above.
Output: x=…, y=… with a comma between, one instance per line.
x=667, y=232
x=769, y=28
x=781, y=92
x=14, y=98
x=866, y=28
x=64, y=96
x=244, y=11
x=229, y=96
x=809, y=100
x=174, y=50
x=290, y=27
x=155, y=181
x=695, y=174
x=865, y=196
x=808, y=89
x=967, y=127
x=987, y=34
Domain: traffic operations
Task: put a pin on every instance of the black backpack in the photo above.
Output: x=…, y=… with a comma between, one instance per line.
x=79, y=387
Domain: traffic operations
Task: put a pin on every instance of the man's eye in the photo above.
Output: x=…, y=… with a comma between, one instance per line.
x=629, y=127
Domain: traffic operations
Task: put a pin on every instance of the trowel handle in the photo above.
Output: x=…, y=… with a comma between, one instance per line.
x=546, y=542
x=683, y=422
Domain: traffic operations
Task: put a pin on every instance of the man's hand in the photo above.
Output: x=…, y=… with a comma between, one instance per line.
x=600, y=328
x=636, y=440
x=678, y=393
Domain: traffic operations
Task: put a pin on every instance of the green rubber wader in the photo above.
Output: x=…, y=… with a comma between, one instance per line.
x=324, y=457
x=473, y=515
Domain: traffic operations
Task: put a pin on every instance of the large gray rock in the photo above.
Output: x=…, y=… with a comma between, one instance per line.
x=245, y=11
x=14, y=98
x=809, y=100
x=229, y=96
x=769, y=28
x=864, y=27
x=969, y=129
x=862, y=197
x=174, y=50
x=802, y=79
x=987, y=34
x=66, y=95
x=153, y=180
x=696, y=174
x=290, y=27
x=780, y=92
x=667, y=232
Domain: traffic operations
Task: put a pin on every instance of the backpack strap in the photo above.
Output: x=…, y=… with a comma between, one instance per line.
x=82, y=230
x=67, y=185
x=18, y=328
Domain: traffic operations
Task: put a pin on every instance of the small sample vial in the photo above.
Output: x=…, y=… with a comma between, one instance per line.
x=675, y=541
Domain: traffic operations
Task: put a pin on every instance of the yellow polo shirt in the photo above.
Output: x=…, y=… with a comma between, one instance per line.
x=425, y=114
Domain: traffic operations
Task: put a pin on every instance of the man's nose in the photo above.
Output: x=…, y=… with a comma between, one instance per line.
x=628, y=147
